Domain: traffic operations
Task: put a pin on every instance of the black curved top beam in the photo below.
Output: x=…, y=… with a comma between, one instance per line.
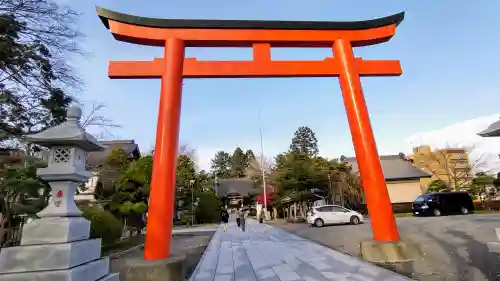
x=107, y=15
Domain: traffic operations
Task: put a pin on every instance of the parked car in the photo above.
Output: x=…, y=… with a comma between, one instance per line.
x=332, y=214
x=440, y=203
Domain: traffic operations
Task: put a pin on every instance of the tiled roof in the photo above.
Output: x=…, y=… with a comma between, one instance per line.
x=242, y=186
x=493, y=130
x=97, y=158
x=394, y=168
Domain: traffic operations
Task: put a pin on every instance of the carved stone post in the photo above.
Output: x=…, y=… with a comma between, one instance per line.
x=57, y=246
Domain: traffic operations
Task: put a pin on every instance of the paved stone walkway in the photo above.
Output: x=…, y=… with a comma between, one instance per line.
x=266, y=253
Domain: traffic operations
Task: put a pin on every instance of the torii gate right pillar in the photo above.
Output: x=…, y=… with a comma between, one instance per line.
x=376, y=194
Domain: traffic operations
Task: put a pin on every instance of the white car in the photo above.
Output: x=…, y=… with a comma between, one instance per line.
x=332, y=214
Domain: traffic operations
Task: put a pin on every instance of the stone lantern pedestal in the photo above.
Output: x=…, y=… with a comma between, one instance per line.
x=57, y=247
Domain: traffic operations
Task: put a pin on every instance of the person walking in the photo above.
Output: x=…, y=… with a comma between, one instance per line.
x=224, y=217
x=238, y=215
x=243, y=216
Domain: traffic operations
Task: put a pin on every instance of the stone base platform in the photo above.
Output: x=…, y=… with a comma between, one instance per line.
x=92, y=271
x=389, y=252
x=171, y=269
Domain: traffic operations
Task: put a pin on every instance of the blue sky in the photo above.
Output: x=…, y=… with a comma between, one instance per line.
x=448, y=51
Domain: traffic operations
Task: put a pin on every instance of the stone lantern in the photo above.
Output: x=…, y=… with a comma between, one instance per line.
x=57, y=246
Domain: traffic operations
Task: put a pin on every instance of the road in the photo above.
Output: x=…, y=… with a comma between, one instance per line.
x=454, y=247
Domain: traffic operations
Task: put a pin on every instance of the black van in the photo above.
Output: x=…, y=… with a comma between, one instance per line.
x=440, y=203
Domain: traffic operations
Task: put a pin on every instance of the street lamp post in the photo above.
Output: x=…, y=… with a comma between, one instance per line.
x=192, y=182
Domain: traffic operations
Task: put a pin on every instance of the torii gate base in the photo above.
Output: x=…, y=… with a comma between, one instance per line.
x=176, y=35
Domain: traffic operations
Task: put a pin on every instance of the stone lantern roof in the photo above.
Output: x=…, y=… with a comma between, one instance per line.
x=69, y=133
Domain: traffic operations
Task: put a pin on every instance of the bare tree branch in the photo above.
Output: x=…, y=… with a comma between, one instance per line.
x=95, y=119
x=448, y=166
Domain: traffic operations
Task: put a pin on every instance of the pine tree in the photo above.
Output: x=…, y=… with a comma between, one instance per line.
x=36, y=37
x=238, y=163
x=249, y=157
x=221, y=165
x=304, y=142
x=22, y=193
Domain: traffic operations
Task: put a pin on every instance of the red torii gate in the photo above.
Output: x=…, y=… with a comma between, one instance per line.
x=177, y=34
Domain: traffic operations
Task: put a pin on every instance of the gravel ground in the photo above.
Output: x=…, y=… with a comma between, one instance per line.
x=180, y=244
x=454, y=247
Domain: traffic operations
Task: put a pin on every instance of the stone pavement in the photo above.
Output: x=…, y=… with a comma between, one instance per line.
x=266, y=253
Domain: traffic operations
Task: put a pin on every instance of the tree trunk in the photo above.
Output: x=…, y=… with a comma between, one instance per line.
x=486, y=206
x=332, y=192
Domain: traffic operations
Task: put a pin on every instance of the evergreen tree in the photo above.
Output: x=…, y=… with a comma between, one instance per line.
x=35, y=38
x=238, y=163
x=22, y=193
x=304, y=142
x=123, y=187
x=221, y=165
x=249, y=157
x=186, y=182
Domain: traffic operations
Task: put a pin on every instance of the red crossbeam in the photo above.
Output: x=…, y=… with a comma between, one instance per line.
x=193, y=68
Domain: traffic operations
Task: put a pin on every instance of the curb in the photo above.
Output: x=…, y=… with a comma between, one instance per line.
x=122, y=253
x=137, y=247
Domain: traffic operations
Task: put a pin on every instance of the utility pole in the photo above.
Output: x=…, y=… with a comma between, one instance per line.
x=262, y=167
x=342, y=191
x=215, y=186
x=330, y=188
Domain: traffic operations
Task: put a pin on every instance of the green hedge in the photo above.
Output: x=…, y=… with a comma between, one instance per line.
x=208, y=209
x=103, y=224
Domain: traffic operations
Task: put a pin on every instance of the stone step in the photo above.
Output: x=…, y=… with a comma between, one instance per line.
x=111, y=277
x=91, y=271
x=494, y=247
x=55, y=230
x=49, y=257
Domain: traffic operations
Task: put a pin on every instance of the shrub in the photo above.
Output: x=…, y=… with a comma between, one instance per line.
x=140, y=208
x=208, y=209
x=103, y=224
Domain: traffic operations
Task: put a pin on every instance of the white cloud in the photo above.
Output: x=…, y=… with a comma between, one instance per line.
x=464, y=134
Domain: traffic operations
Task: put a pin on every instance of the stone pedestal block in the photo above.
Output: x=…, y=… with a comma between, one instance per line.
x=389, y=252
x=49, y=256
x=91, y=271
x=494, y=247
x=63, y=204
x=55, y=230
x=171, y=269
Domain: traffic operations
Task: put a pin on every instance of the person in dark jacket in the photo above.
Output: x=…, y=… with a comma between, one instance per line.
x=238, y=221
x=224, y=217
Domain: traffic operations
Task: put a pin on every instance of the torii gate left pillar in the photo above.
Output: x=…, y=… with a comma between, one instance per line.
x=176, y=35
